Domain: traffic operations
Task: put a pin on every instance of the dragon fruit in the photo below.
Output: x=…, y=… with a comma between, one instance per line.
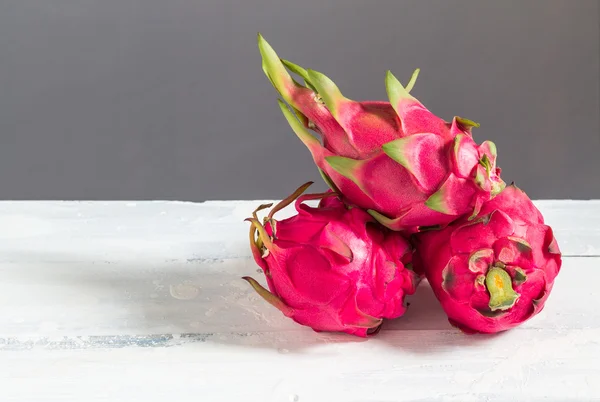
x=407, y=167
x=495, y=271
x=331, y=267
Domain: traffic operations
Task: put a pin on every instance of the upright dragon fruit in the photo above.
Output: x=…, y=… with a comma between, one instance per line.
x=406, y=166
x=330, y=267
x=495, y=271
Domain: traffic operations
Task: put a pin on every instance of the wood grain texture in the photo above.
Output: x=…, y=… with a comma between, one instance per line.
x=143, y=301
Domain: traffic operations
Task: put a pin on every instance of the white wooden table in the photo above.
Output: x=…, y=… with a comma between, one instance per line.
x=143, y=301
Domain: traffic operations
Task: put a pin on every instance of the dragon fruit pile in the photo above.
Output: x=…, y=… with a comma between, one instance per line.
x=412, y=196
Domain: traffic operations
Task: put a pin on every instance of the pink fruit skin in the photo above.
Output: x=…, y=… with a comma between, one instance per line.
x=406, y=166
x=509, y=232
x=333, y=268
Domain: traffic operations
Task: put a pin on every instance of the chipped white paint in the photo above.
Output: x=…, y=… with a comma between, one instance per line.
x=183, y=291
x=143, y=301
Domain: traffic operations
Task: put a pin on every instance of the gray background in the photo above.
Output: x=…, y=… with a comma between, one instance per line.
x=155, y=99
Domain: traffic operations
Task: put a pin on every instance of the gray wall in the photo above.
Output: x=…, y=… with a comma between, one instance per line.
x=155, y=99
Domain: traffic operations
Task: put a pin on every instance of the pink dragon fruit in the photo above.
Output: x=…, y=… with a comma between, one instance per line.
x=331, y=267
x=406, y=166
x=495, y=271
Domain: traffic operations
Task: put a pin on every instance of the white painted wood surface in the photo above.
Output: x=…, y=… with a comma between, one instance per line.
x=143, y=301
